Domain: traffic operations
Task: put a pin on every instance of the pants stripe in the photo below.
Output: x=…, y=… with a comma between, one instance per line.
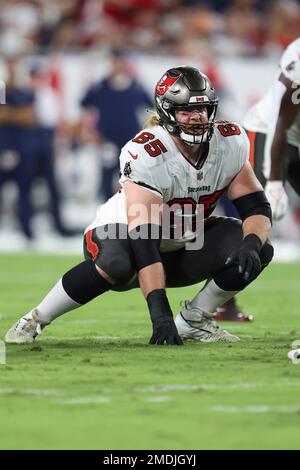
x=91, y=246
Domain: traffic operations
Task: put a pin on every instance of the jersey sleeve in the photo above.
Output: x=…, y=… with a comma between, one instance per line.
x=138, y=166
x=290, y=62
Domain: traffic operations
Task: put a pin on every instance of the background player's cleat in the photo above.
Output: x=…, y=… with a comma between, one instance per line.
x=230, y=311
x=26, y=329
x=204, y=328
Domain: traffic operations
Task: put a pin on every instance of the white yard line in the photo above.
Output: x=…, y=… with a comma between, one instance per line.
x=37, y=392
x=103, y=400
x=192, y=387
x=158, y=392
x=187, y=387
x=94, y=338
x=158, y=399
x=85, y=400
x=256, y=409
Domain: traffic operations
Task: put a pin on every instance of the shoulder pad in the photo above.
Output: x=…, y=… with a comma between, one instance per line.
x=149, y=145
x=235, y=142
x=290, y=62
x=228, y=128
x=141, y=160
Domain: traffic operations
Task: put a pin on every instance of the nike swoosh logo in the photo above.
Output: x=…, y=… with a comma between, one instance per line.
x=133, y=156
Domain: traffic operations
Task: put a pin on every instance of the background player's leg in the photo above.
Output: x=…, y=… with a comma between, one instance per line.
x=25, y=176
x=293, y=167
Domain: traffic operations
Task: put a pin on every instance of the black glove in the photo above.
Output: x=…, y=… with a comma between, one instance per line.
x=164, y=328
x=246, y=257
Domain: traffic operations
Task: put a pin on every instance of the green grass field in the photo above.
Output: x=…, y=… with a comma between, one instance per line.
x=91, y=381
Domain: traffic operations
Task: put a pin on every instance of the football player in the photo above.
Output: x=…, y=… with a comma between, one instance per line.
x=273, y=127
x=183, y=158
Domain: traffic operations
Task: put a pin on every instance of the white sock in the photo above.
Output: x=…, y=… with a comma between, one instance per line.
x=56, y=302
x=211, y=297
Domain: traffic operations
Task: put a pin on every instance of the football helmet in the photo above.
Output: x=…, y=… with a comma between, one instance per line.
x=180, y=88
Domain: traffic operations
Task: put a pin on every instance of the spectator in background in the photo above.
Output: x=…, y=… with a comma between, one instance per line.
x=19, y=24
x=17, y=119
x=244, y=24
x=231, y=27
x=28, y=122
x=46, y=106
x=117, y=99
x=283, y=23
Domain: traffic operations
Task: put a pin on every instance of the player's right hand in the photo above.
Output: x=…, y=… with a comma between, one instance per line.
x=277, y=198
x=165, y=331
x=246, y=257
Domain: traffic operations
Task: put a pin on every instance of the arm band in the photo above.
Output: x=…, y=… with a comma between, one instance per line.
x=158, y=305
x=253, y=204
x=145, y=242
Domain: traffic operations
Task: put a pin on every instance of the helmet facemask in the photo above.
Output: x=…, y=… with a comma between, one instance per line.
x=185, y=87
x=197, y=133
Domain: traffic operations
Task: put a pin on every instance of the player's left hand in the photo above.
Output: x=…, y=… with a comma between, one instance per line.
x=246, y=257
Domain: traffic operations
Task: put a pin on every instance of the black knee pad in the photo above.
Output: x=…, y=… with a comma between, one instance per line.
x=83, y=282
x=118, y=266
x=230, y=279
x=266, y=254
x=231, y=226
x=229, y=236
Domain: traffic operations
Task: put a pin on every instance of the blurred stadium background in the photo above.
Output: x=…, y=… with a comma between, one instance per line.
x=58, y=49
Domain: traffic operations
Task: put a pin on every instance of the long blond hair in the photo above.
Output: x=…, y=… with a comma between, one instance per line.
x=152, y=121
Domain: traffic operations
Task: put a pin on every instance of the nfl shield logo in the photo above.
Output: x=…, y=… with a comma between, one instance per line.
x=199, y=176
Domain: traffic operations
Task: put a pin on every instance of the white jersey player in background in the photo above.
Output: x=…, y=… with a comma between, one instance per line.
x=273, y=127
x=184, y=159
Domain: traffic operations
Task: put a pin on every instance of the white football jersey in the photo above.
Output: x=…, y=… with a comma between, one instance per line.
x=152, y=160
x=262, y=117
